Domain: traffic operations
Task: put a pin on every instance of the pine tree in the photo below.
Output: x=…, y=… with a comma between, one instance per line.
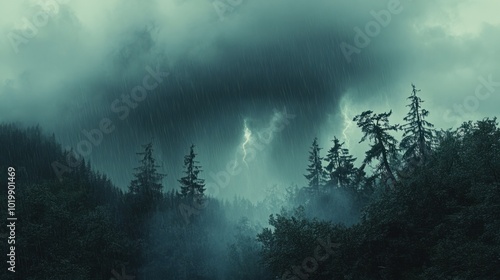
x=147, y=185
x=316, y=176
x=191, y=186
x=418, y=133
x=376, y=128
x=340, y=166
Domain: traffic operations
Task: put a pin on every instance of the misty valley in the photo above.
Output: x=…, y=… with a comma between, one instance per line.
x=250, y=140
x=424, y=207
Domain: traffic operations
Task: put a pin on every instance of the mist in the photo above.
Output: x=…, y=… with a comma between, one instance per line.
x=250, y=84
x=244, y=65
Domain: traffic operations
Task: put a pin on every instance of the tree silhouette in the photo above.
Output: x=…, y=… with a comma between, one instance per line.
x=147, y=187
x=417, y=136
x=192, y=187
x=340, y=165
x=316, y=175
x=376, y=128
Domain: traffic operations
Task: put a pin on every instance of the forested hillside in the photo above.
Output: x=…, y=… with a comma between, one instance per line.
x=426, y=206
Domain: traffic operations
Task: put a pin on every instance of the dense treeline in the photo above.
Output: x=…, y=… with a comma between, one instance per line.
x=440, y=222
x=427, y=207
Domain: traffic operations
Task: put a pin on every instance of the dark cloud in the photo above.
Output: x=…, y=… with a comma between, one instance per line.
x=265, y=57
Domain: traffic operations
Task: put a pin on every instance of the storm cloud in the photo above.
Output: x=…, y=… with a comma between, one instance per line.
x=236, y=70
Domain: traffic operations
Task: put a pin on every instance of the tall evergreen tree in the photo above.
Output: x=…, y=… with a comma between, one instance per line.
x=192, y=187
x=316, y=175
x=417, y=136
x=340, y=166
x=147, y=185
x=376, y=128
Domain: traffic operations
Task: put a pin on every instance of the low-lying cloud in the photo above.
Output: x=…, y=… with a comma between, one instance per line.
x=262, y=57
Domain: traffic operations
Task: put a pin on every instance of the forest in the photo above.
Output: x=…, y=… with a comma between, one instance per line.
x=425, y=206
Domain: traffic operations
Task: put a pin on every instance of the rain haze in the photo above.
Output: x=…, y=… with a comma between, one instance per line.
x=228, y=67
x=200, y=120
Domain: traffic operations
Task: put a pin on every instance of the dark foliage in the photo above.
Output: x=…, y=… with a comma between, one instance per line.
x=437, y=219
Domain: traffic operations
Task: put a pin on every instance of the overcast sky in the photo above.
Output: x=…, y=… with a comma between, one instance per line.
x=267, y=76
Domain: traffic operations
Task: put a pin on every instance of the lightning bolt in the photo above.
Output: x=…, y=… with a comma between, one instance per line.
x=247, y=133
x=346, y=111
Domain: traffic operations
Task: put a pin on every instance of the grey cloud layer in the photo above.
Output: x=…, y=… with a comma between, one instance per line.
x=264, y=55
